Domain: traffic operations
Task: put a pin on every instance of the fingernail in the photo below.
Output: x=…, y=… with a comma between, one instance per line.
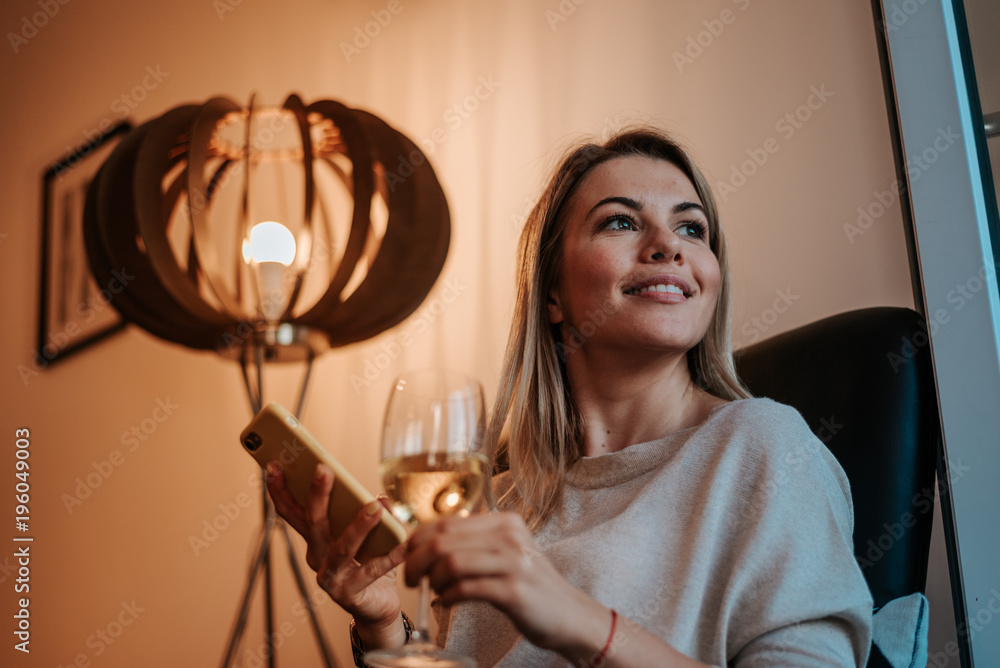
x=373, y=507
x=271, y=470
x=319, y=473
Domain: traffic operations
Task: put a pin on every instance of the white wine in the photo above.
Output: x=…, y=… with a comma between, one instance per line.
x=432, y=486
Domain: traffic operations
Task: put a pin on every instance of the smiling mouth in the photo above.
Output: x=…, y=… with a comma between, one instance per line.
x=659, y=287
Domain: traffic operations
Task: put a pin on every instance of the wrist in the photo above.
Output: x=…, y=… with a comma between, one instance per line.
x=393, y=632
x=588, y=634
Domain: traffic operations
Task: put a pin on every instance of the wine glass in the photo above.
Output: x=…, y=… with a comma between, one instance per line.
x=432, y=467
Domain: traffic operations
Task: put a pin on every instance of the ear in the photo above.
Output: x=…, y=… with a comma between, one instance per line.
x=555, y=308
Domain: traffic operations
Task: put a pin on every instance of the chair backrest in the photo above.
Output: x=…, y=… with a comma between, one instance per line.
x=864, y=383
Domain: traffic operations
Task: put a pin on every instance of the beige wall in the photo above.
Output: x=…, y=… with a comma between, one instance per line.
x=598, y=66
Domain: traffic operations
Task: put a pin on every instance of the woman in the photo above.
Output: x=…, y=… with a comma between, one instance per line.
x=654, y=514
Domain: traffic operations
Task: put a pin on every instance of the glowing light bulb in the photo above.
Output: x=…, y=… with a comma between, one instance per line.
x=269, y=242
x=270, y=250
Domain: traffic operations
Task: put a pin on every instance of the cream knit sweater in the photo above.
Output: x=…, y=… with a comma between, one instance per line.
x=730, y=540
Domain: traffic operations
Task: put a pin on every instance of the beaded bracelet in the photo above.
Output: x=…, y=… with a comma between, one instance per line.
x=358, y=649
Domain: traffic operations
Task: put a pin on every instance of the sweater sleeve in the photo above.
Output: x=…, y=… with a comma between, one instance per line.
x=798, y=597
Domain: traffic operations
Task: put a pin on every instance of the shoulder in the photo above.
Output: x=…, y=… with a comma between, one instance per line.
x=761, y=414
x=777, y=450
x=757, y=430
x=766, y=428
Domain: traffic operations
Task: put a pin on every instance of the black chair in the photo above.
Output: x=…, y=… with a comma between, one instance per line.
x=863, y=382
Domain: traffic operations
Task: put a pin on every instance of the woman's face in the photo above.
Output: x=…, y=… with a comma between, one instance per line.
x=637, y=269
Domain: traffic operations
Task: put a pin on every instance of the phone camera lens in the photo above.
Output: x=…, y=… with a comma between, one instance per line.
x=252, y=441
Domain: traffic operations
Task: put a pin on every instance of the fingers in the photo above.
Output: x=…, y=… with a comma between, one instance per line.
x=317, y=514
x=492, y=558
x=459, y=548
x=310, y=521
x=483, y=523
x=364, y=591
x=340, y=574
x=467, y=565
x=349, y=542
x=284, y=503
x=495, y=590
x=379, y=566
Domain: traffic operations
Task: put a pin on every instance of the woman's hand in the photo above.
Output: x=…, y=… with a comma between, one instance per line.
x=366, y=591
x=492, y=557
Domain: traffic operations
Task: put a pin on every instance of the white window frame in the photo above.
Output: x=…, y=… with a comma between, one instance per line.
x=952, y=204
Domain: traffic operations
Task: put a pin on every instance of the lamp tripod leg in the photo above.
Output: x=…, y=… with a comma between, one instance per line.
x=253, y=358
x=263, y=548
x=300, y=581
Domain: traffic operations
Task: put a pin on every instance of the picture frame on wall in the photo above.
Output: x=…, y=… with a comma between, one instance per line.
x=74, y=312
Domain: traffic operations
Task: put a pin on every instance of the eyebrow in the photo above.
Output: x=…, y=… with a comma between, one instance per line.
x=637, y=206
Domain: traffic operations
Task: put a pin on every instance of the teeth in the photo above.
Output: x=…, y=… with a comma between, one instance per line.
x=657, y=288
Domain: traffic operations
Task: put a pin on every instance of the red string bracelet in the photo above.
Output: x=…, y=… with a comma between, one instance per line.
x=599, y=660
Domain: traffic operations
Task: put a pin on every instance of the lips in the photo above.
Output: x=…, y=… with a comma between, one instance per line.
x=661, y=284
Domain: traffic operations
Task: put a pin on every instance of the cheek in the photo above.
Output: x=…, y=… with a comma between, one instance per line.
x=711, y=274
x=589, y=276
x=717, y=280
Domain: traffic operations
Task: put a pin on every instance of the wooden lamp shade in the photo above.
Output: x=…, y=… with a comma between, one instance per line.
x=177, y=197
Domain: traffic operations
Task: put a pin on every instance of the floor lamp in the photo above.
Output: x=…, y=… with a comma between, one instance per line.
x=268, y=235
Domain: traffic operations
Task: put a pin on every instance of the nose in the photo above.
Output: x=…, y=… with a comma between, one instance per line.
x=663, y=246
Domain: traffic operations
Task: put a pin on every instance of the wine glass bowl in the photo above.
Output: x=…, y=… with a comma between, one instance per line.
x=433, y=467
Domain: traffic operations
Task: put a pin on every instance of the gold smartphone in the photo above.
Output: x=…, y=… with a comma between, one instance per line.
x=276, y=435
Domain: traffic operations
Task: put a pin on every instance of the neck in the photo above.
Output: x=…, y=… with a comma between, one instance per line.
x=627, y=401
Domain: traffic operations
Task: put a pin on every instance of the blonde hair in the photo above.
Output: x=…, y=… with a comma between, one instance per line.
x=533, y=402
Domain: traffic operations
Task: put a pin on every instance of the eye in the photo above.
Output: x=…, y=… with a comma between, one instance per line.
x=620, y=222
x=693, y=228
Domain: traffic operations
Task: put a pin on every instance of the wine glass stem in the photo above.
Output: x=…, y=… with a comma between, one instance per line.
x=421, y=633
